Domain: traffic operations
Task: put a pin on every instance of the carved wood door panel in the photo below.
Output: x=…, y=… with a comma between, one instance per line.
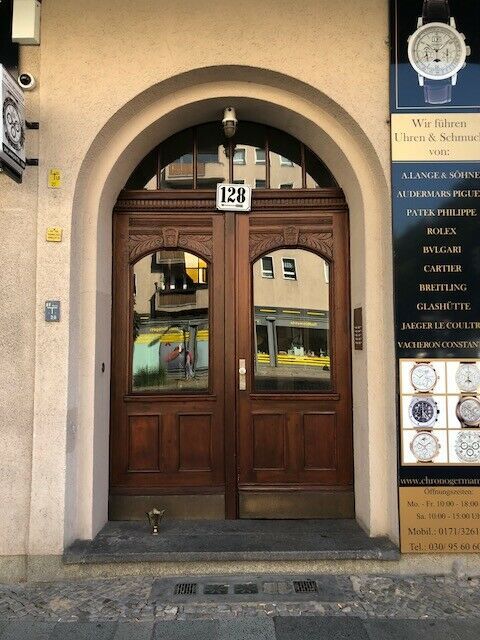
x=295, y=432
x=199, y=295
x=168, y=354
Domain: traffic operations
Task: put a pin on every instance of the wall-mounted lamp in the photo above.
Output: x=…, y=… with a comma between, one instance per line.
x=229, y=122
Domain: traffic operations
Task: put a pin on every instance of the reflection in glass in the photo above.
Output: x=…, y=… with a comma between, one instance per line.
x=205, y=152
x=145, y=174
x=170, y=322
x=249, y=155
x=317, y=174
x=212, y=159
x=176, y=157
x=285, y=161
x=291, y=295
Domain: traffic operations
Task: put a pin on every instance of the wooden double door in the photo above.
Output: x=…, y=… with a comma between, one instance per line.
x=231, y=376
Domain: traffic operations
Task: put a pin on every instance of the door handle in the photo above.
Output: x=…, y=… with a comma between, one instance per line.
x=242, y=375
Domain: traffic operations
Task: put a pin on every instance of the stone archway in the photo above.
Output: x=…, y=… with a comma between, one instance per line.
x=331, y=133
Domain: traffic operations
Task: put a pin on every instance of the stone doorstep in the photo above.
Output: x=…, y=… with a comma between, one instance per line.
x=237, y=540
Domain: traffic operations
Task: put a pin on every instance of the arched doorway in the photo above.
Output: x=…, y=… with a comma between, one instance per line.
x=231, y=374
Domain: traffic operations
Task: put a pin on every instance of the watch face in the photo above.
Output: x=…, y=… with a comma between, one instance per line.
x=467, y=446
x=437, y=51
x=423, y=377
x=468, y=411
x=468, y=377
x=423, y=412
x=425, y=446
x=12, y=124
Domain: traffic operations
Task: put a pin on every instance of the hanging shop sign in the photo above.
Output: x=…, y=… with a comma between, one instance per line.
x=435, y=128
x=12, y=133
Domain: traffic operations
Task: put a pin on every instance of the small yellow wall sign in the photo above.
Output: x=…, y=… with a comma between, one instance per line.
x=54, y=178
x=54, y=234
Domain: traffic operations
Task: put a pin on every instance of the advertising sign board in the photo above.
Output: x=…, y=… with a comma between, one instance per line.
x=12, y=132
x=435, y=116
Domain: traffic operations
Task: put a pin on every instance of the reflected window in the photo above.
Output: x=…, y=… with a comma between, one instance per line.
x=286, y=162
x=292, y=324
x=170, y=323
x=289, y=268
x=259, y=156
x=239, y=156
x=267, y=267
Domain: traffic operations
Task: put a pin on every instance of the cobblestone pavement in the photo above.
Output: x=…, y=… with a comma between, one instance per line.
x=221, y=598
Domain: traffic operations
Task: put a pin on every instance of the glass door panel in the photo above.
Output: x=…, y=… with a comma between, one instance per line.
x=291, y=301
x=170, y=323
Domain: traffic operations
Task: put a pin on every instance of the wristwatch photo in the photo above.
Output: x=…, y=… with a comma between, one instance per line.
x=437, y=51
x=467, y=446
x=425, y=446
x=423, y=412
x=468, y=411
x=467, y=377
x=423, y=377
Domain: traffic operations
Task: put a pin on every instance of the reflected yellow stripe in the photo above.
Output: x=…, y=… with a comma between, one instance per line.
x=148, y=338
x=324, y=361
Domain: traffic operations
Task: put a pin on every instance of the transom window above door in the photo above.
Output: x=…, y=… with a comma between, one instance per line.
x=202, y=157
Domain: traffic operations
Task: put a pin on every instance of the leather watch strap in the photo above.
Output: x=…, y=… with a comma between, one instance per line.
x=436, y=11
x=438, y=91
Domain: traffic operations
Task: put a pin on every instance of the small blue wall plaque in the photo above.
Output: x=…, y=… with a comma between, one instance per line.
x=52, y=311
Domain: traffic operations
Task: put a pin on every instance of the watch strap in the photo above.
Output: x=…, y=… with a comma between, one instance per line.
x=436, y=11
x=437, y=91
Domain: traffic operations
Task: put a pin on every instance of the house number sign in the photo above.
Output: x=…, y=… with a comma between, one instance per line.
x=234, y=197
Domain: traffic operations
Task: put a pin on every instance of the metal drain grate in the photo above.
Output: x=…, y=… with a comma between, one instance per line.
x=215, y=589
x=305, y=586
x=248, y=587
x=185, y=589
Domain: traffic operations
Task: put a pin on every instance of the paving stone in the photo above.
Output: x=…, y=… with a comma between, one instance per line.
x=334, y=589
x=191, y=630
x=134, y=631
x=84, y=631
x=247, y=629
x=313, y=628
x=422, y=629
x=27, y=630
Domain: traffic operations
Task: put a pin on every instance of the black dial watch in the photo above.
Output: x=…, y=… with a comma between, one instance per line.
x=437, y=51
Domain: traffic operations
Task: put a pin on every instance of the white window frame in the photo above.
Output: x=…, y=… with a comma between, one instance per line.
x=243, y=160
x=266, y=272
x=257, y=161
x=286, y=162
x=326, y=271
x=285, y=276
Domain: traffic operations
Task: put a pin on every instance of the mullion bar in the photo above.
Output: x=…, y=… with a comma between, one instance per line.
x=195, y=157
x=267, y=159
x=304, y=168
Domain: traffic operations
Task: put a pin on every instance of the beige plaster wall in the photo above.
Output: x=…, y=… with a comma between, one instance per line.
x=113, y=83
x=18, y=256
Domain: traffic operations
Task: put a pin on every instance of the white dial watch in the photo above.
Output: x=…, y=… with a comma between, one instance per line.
x=423, y=377
x=425, y=446
x=468, y=411
x=467, y=377
x=437, y=51
x=423, y=412
x=467, y=446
